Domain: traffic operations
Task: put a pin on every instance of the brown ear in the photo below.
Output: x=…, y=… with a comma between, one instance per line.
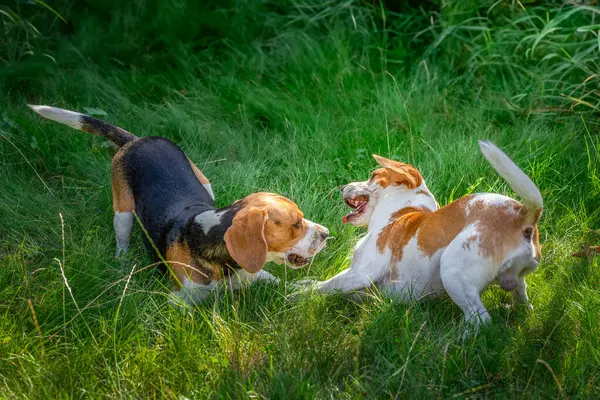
x=400, y=172
x=245, y=239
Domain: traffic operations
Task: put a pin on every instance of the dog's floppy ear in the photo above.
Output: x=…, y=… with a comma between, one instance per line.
x=399, y=172
x=245, y=239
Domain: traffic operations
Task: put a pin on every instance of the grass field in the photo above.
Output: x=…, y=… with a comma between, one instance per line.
x=293, y=97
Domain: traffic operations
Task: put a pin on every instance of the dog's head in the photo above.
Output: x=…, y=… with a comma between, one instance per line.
x=270, y=227
x=394, y=176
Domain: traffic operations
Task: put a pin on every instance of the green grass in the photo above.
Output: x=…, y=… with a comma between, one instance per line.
x=292, y=98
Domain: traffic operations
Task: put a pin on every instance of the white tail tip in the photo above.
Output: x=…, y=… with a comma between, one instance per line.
x=513, y=175
x=66, y=117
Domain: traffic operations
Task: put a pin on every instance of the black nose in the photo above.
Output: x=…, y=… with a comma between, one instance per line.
x=324, y=235
x=342, y=188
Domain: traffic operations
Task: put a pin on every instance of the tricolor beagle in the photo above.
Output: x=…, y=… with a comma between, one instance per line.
x=174, y=202
x=413, y=248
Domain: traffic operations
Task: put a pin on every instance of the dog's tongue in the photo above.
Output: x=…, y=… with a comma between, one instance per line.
x=346, y=218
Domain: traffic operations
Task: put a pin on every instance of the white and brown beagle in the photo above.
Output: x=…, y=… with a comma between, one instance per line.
x=413, y=248
x=202, y=245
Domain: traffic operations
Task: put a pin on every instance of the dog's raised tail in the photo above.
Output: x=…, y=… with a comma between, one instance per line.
x=517, y=179
x=85, y=123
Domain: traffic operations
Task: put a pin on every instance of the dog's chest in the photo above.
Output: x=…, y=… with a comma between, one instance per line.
x=205, y=237
x=365, y=249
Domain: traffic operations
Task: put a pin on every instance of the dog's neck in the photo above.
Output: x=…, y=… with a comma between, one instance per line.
x=395, y=199
x=205, y=232
x=217, y=221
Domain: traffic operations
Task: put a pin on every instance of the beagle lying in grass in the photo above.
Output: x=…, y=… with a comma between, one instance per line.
x=174, y=202
x=413, y=248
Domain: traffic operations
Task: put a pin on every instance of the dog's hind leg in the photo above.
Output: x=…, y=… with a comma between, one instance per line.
x=520, y=294
x=465, y=274
x=123, y=205
x=511, y=276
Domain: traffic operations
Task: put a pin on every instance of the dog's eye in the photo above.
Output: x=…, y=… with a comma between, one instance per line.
x=297, y=225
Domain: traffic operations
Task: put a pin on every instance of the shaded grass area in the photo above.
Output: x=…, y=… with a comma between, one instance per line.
x=290, y=98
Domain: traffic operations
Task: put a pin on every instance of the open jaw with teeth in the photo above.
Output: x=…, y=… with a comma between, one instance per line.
x=358, y=204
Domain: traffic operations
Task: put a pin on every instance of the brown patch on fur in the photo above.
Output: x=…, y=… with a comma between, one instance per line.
x=531, y=217
x=536, y=244
x=182, y=264
x=402, y=227
x=499, y=228
x=123, y=200
x=442, y=226
x=266, y=223
x=537, y=216
x=396, y=173
x=203, y=179
x=535, y=238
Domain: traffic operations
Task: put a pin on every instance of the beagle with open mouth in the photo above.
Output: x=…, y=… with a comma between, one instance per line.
x=413, y=248
x=174, y=201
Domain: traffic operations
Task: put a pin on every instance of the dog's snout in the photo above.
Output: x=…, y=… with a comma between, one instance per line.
x=322, y=233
